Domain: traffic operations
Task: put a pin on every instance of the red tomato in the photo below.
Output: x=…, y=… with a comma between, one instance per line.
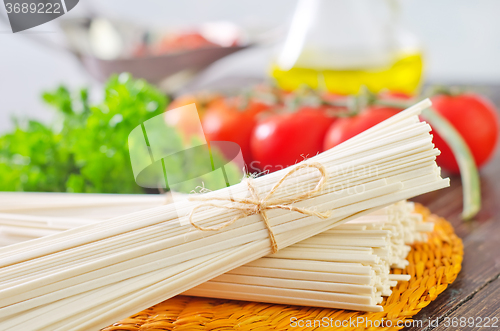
x=283, y=139
x=476, y=119
x=225, y=121
x=182, y=42
x=188, y=123
x=346, y=128
x=202, y=100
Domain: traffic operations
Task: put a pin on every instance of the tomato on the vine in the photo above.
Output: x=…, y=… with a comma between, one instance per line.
x=346, y=128
x=476, y=119
x=233, y=120
x=285, y=138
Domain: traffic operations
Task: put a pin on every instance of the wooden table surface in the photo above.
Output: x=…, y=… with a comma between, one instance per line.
x=476, y=291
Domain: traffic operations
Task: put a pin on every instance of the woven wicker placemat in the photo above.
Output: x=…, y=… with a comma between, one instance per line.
x=433, y=266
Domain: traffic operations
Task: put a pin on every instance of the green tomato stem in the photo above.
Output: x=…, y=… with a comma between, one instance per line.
x=471, y=186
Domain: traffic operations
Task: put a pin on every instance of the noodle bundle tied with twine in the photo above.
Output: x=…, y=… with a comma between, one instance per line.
x=257, y=205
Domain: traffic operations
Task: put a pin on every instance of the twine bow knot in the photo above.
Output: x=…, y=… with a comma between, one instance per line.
x=256, y=205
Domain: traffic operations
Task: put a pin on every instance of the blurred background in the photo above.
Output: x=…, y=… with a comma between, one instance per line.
x=460, y=42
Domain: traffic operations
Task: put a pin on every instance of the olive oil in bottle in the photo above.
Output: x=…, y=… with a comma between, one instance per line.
x=342, y=45
x=403, y=75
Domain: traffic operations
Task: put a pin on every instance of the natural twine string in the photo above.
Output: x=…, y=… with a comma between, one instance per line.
x=256, y=205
